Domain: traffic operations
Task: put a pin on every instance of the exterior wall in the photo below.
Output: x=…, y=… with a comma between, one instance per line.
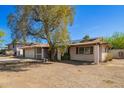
x=29, y=53
x=115, y=53
x=80, y=57
x=96, y=54
x=36, y=54
x=103, y=53
x=19, y=52
x=99, y=54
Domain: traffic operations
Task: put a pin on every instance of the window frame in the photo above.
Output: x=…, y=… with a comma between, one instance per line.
x=84, y=51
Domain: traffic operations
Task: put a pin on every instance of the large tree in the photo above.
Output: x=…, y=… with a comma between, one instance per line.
x=43, y=22
x=116, y=40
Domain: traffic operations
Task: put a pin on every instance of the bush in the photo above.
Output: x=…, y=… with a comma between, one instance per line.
x=66, y=56
x=109, y=57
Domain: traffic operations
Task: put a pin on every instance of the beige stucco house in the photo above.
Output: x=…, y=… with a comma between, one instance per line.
x=87, y=50
x=36, y=51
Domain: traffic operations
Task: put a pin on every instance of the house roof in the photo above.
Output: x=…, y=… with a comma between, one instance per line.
x=91, y=42
x=36, y=45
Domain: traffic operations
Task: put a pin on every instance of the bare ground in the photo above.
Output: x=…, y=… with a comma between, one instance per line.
x=56, y=74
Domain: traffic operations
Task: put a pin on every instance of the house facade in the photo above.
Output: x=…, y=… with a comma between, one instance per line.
x=90, y=50
x=36, y=51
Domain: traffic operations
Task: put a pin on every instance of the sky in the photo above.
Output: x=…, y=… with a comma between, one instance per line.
x=95, y=21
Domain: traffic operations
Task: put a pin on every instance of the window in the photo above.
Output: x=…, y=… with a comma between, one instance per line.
x=84, y=50
x=81, y=50
x=87, y=50
x=39, y=50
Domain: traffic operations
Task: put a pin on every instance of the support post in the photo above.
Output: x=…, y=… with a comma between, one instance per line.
x=96, y=54
x=58, y=55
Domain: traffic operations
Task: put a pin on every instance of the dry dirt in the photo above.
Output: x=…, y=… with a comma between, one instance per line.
x=55, y=74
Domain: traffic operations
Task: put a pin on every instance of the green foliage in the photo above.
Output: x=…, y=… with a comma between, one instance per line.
x=2, y=34
x=86, y=37
x=116, y=40
x=66, y=56
x=109, y=57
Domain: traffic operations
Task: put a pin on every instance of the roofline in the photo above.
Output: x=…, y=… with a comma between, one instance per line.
x=36, y=46
x=84, y=44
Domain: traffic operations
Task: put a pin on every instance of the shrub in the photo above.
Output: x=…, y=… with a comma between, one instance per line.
x=66, y=56
x=109, y=57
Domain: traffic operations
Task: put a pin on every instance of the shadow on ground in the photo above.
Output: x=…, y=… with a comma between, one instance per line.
x=78, y=62
x=19, y=66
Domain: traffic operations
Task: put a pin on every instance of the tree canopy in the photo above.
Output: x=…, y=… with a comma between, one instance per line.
x=86, y=37
x=2, y=34
x=42, y=22
x=116, y=40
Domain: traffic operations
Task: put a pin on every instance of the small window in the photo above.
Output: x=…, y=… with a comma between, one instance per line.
x=81, y=50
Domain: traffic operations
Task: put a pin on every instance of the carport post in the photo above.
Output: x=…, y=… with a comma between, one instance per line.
x=96, y=54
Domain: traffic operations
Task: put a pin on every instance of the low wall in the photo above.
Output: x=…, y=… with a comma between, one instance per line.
x=117, y=53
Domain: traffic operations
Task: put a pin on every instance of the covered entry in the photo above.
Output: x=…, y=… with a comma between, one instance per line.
x=41, y=53
x=37, y=51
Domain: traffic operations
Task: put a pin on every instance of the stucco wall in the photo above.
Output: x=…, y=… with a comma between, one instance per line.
x=96, y=54
x=103, y=54
x=29, y=53
x=81, y=57
x=19, y=52
x=115, y=53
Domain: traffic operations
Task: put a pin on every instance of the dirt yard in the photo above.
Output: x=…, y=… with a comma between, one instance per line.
x=54, y=74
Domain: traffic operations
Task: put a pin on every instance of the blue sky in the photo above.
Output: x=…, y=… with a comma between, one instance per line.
x=96, y=21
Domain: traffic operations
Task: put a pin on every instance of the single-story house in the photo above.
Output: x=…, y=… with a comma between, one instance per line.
x=95, y=50
x=89, y=50
x=36, y=51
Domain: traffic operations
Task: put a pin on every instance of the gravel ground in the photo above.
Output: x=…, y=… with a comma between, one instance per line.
x=67, y=75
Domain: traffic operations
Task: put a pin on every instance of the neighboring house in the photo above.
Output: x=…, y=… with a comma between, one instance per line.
x=118, y=53
x=15, y=49
x=87, y=50
x=36, y=51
